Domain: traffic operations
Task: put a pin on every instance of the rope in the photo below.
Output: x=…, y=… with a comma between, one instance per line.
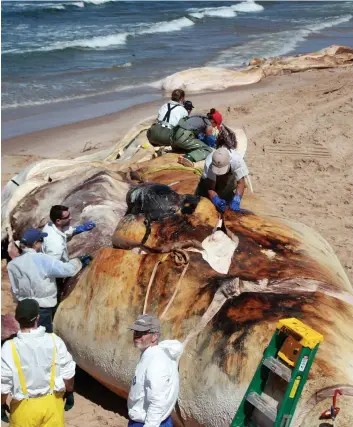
x=175, y=292
x=180, y=257
x=150, y=284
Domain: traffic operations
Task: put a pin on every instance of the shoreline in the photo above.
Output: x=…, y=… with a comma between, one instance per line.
x=298, y=128
x=100, y=131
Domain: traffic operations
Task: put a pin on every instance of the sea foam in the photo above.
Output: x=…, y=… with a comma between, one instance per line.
x=273, y=44
x=166, y=27
x=225, y=11
x=97, y=2
x=219, y=12
x=112, y=40
x=247, y=6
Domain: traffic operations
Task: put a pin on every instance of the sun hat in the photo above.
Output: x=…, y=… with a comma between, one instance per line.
x=220, y=161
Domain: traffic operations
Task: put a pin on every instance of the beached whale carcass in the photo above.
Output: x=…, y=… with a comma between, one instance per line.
x=194, y=80
x=286, y=270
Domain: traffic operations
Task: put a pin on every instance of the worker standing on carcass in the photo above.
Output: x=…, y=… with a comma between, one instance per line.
x=33, y=275
x=223, y=180
x=59, y=232
x=37, y=371
x=155, y=386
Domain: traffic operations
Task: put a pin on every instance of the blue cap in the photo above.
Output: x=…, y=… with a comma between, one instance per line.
x=32, y=235
x=188, y=105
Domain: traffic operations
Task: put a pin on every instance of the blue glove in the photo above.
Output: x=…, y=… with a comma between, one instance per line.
x=84, y=227
x=70, y=400
x=85, y=259
x=210, y=140
x=4, y=416
x=219, y=203
x=235, y=203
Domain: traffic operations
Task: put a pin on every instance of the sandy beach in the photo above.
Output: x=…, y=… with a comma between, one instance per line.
x=300, y=157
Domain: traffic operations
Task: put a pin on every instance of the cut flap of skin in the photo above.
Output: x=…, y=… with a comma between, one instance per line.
x=218, y=251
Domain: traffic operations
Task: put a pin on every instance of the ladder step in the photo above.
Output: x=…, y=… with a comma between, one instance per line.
x=262, y=404
x=278, y=368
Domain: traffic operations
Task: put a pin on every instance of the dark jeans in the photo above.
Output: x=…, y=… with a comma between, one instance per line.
x=166, y=423
x=46, y=318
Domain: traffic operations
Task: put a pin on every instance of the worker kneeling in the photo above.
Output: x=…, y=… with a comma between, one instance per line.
x=193, y=136
x=36, y=369
x=222, y=180
x=168, y=116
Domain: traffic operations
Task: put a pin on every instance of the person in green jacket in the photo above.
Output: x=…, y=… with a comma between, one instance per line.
x=190, y=137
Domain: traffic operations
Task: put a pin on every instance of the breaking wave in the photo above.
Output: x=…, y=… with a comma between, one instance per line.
x=248, y=6
x=166, y=27
x=219, y=12
x=225, y=11
x=112, y=40
x=98, y=2
x=271, y=45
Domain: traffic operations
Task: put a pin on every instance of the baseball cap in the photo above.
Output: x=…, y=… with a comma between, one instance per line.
x=188, y=105
x=146, y=322
x=27, y=310
x=32, y=235
x=220, y=161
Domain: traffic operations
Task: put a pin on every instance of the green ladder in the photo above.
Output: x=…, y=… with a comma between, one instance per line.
x=285, y=365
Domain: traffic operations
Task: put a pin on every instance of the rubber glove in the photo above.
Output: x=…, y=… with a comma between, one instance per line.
x=4, y=416
x=85, y=259
x=84, y=227
x=235, y=203
x=210, y=140
x=70, y=400
x=219, y=203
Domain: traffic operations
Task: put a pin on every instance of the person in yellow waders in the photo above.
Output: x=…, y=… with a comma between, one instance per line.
x=37, y=370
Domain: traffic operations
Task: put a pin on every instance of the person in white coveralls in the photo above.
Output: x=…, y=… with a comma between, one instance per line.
x=59, y=232
x=37, y=372
x=33, y=275
x=155, y=386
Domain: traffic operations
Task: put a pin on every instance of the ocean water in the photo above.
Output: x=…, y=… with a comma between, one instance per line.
x=66, y=61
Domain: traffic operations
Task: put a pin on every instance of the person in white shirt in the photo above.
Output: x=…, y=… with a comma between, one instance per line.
x=223, y=180
x=168, y=117
x=155, y=386
x=33, y=274
x=59, y=232
x=38, y=373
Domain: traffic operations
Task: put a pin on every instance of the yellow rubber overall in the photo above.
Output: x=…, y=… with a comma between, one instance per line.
x=44, y=411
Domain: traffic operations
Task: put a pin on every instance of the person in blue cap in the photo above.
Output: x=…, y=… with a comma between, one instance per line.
x=33, y=275
x=188, y=107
